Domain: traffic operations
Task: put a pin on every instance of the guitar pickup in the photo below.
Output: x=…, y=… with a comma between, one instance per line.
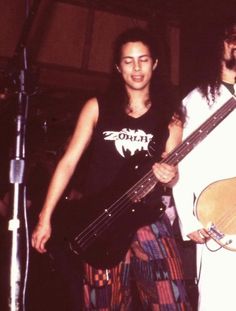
x=215, y=233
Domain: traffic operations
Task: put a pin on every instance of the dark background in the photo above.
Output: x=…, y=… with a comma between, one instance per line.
x=69, y=47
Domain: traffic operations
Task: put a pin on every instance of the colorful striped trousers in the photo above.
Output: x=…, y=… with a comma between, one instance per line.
x=149, y=278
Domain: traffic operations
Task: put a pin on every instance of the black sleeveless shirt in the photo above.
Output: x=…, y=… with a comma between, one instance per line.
x=118, y=137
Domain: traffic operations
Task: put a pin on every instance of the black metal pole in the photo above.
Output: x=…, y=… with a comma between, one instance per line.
x=21, y=76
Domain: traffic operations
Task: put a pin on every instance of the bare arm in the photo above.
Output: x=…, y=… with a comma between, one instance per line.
x=81, y=138
x=167, y=174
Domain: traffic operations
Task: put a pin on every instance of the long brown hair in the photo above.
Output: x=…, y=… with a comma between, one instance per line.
x=162, y=93
x=210, y=78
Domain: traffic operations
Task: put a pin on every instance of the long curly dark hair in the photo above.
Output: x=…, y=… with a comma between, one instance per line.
x=211, y=72
x=162, y=93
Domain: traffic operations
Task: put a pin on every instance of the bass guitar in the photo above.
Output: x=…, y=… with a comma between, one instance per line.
x=102, y=229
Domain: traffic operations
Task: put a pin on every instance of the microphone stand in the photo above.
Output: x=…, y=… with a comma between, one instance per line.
x=22, y=81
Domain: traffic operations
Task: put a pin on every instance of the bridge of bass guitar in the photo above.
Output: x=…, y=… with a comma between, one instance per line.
x=216, y=210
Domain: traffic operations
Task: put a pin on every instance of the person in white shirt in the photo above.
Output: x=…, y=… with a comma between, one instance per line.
x=212, y=162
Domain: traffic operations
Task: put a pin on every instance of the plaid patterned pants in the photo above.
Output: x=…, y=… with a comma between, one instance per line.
x=152, y=266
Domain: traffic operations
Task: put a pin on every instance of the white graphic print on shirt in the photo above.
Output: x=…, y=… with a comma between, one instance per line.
x=128, y=139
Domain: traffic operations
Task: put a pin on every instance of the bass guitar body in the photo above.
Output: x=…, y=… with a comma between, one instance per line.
x=216, y=210
x=101, y=227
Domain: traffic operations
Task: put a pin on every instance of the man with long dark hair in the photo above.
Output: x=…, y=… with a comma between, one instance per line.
x=119, y=125
x=203, y=193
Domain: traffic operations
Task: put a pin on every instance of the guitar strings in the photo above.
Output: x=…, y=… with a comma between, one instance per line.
x=109, y=219
x=98, y=225
x=109, y=210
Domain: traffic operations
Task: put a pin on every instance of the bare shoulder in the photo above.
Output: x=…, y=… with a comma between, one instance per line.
x=92, y=102
x=83, y=131
x=90, y=106
x=89, y=111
